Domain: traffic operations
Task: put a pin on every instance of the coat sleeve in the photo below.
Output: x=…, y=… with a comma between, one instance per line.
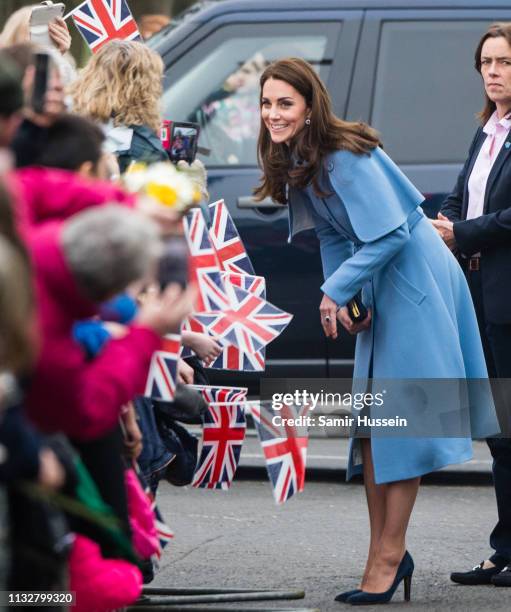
x=484, y=232
x=335, y=249
x=378, y=199
x=356, y=271
x=84, y=398
x=114, y=378
x=453, y=204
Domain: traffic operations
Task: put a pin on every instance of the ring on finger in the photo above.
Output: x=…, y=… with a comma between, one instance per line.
x=327, y=319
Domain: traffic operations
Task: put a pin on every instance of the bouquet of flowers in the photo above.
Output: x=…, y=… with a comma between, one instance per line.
x=163, y=183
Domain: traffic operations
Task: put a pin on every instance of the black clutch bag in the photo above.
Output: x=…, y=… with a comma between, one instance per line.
x=356, y=309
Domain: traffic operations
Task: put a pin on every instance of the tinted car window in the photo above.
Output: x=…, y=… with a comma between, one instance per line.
x=219, y=89
x=427, y=90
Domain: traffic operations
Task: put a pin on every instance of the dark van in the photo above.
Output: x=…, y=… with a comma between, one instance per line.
x=407, y=68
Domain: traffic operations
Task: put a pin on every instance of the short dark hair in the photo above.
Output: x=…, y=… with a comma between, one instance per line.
x=71, y=141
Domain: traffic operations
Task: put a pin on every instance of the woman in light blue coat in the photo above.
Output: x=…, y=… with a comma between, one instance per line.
x=421, y=322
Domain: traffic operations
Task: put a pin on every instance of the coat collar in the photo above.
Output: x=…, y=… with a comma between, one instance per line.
x=496, y=168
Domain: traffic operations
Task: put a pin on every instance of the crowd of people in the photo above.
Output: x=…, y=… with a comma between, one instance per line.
x=82, y=312
x=82, y=309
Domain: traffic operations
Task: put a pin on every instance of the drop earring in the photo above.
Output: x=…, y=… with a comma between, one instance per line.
x=307, y=121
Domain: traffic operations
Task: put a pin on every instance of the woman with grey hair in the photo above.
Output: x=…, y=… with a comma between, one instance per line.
x=109, y=248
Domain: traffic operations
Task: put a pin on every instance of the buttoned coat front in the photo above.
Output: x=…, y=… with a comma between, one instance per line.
x=374, y=237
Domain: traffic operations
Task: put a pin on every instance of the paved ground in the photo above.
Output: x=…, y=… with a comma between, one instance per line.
x=317, y=541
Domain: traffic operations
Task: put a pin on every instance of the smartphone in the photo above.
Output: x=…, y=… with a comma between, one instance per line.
x=173, y=263
x=40, y=17
x=180, y=139
x=41, y=78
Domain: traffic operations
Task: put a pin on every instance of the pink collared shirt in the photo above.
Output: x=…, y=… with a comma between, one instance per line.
x=496, y=131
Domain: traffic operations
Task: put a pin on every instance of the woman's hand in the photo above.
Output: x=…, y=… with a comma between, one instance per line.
x=59, y=35
x=328, y=310
x=165, y=311
x=445, y=228
x=351, y=327
x=205, y=347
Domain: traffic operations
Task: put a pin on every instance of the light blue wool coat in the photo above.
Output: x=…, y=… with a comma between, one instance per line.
x=374, y=236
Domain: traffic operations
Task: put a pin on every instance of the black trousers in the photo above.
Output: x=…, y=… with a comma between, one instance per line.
x=496, y=341
x=103, y=458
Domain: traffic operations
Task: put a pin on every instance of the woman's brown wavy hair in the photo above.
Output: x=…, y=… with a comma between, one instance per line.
x=496, y=30
x=325, y=134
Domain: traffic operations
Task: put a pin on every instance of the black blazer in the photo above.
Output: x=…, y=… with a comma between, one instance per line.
x=489, y=234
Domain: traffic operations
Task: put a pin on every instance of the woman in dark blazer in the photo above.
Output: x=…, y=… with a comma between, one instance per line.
x=475, y=221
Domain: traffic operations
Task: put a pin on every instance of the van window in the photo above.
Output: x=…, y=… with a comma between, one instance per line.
x=216, y=84
x=427, y=90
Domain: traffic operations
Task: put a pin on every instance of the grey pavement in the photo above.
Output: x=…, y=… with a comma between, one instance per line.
x=317, y=541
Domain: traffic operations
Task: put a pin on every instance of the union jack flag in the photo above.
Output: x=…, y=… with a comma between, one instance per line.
x=100, y=21
x=223, y=432
x=218, y=394
x=232, y=358
x=248, y=282
x=226, y=241
x=161, y=380
x=247, y=322
x=203, y=264
x=284, y=447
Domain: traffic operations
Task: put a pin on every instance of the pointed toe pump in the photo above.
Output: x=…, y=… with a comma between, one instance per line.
x=404, y=573
x=343, y=597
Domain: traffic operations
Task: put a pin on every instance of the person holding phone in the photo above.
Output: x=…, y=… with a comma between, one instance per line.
x=44, y=100
x=17, y=30
x=420, y=324
x=475, y=221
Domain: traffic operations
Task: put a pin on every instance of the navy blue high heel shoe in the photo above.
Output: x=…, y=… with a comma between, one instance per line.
x=343, y=597
x=404, y=572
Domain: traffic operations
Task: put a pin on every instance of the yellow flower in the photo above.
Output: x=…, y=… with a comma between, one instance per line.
x=164, y=194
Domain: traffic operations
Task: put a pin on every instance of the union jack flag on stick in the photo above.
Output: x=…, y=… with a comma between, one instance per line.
x=284, y=447
x=100, y=21
x=220, y=395
x=223, y=432
x=161, y=380
x=203, y=265
x=227, y=242
x=246, y=321
x=232, y=358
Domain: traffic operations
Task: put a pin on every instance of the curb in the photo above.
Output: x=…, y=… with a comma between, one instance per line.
x=463, y=478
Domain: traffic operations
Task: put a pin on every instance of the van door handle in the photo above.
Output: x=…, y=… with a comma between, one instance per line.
x=250, y=202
